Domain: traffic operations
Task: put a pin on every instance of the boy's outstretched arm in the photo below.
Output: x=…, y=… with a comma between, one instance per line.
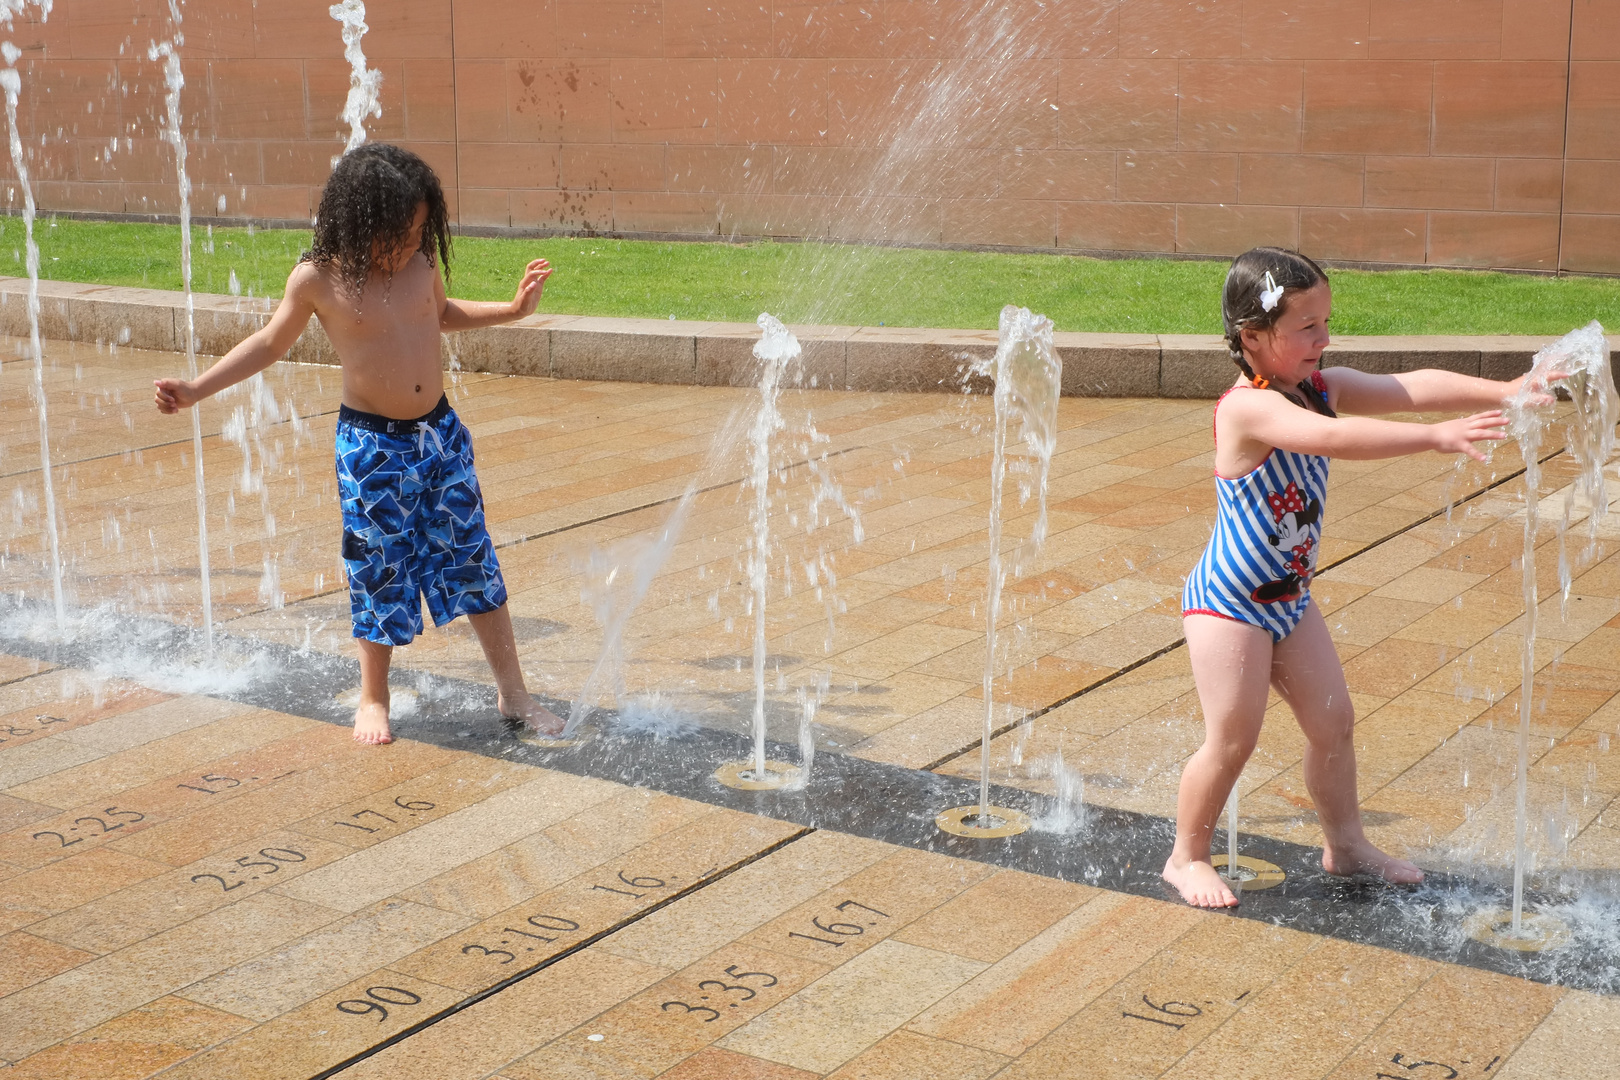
x=256, y=352
x=1429, y=390
x=471, y=314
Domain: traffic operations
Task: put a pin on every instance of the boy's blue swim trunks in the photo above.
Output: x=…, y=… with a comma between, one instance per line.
x=413, y=523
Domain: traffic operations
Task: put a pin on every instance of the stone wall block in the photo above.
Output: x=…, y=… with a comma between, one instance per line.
x=139, y=324
x=1393, y=355
x=1109, y=365
x=13, y=314
x=1194, y=366
x=1508, y=357
x=220, y=327
x=506, y=350
x=725, y=355
x=634, y=350
x=915, y=361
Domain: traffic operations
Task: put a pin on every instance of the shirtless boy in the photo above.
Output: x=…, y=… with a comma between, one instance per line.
x=413, y=516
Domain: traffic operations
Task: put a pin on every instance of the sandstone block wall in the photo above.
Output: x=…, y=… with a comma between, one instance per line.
x=1447, y=132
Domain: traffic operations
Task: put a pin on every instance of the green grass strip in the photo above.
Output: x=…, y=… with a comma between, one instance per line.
x=852, y=285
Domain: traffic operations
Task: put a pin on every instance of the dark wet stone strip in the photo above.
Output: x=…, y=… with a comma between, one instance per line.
x=1117, y=850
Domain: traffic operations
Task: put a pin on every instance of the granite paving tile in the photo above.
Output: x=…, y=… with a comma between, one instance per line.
x=137, y=1044
x=497, y=1033
x=166, y=902
x=1035, y=988
x=558, y=919
x=1571, y=1042
x=845, y=1012
x=1153, y=1016
x=99, y=990
x=429, y=850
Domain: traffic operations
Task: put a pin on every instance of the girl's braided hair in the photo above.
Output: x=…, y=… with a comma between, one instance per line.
x=367, y=208
x=1240, y=298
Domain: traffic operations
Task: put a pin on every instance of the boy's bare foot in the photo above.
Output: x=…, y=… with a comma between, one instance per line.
x=1200, y=884
x=371, y=724
x=1363, y=858
x=534, y=715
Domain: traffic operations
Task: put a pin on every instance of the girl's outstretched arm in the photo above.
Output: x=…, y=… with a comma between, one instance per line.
x=1258, y=419
x=256, y=352
x=1429, y=390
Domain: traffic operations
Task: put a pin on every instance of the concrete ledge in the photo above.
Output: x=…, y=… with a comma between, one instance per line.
x=720, y=354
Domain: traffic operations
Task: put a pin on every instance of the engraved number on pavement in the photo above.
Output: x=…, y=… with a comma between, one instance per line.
x=410, y=808
x=42, y=721
x=92, y=826
x=843, y=929
x=556, y=924
x=645, y=884
x=721, y=992
x=250, y=869
x=377, y=1000
x=1182, y=1011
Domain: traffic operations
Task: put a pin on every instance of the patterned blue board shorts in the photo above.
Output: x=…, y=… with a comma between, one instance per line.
x=413, y=523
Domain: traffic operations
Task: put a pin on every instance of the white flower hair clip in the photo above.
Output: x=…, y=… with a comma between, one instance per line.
x=1271, y=295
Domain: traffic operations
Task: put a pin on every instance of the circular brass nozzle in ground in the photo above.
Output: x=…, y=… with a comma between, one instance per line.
x=1252, y=874
x=1537, y=932
x=741, y=775
x=964, y=821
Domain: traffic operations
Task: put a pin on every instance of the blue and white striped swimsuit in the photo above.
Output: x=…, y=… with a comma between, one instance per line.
x=1268, y=534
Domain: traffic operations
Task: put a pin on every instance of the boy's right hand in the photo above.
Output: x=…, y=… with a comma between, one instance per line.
x=1459, y=436
x=172, y=395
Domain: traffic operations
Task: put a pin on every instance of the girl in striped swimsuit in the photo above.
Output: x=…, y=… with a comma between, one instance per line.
x=1247, y=608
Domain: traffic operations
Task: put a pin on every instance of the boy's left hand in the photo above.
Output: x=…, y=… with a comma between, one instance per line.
x=530, y=288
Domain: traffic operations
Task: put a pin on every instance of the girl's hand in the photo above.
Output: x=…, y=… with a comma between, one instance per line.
x=1541, y=396
x=1459, y=436
x=530, y=288
x=172, y=395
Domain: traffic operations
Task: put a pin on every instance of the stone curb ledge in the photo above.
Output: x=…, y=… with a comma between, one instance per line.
x=720, y=354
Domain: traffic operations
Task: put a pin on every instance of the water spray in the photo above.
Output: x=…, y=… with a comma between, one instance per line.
x=1029, y=380
x=1579, y=361
x=364, y=82
x=174, y=81
x=11, y=83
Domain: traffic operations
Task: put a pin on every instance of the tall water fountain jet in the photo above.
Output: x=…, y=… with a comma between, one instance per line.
x=1028, y=381
x=364, y=82
x=11, y=82
x=1580, y=362
x=174, y=81
x=776, y=351
x=779, y=356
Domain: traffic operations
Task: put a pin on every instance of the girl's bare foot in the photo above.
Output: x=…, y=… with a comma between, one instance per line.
x=1200, y=884
x=533, y=714
x=371, y=724
x=1363, y=858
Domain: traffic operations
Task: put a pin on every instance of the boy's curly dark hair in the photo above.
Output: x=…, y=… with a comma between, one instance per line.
x=370, y=201
x=1240, y=298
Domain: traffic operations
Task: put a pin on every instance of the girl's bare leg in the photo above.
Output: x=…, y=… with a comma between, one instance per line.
x=1308, y=675
x=1231, y=663
x=494, y=630
x=371, y=715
